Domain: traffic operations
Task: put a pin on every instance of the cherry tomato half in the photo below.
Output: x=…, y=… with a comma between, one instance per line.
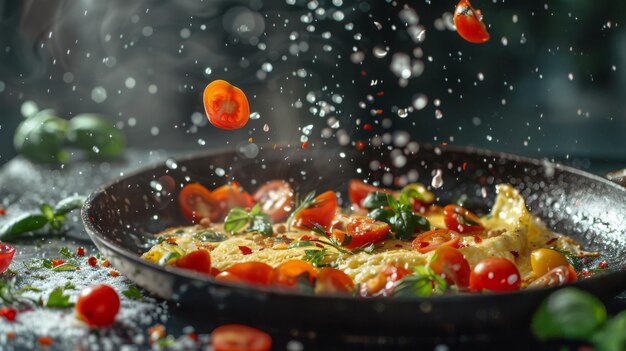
x=382, y=284
x=332, y=281
x=363, y=231
x=226, y=105
x=555, y=277
x=288, y=272
x=452, y=266
x=495, y=274
x=321, y=211
x=6, y=256
x=358, y=191
x=461, y=220
x=196, y=202
x=97, y=305
x=255, y=273
x=230, y=196
x=433, y=239
x=198, y=261
x=237, y=337
x=469, y=23
x=276, y=199
x=544, y=260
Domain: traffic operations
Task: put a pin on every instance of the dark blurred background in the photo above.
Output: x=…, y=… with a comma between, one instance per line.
x=551, y=82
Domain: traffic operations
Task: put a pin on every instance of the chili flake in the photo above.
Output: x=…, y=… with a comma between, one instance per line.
x=11, y=335
x=9, y=313
x=92, y=261
x=114, y=274
x=80, y=251
x=515, y=254
x=105, y=263
x=156, y=332
x=245, y=250
x=56, y=263
x=2, y=211
x=603, y=264
x=551, y=241
x=45, y=340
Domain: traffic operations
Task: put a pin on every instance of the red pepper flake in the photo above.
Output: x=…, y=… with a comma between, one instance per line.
x=171, y=240
x=56, y=263
x=92, y=261
x=423, y=244
x=603, y=264
x=105, y=263
x=45, y=341
x=515, y=254
x=585, y=273
x=477, y=239
x=11, y=335
x=193, y=336
x=367, y=127
x=319, y=245
x=114, y=274
x=9, y=313
x=464, y=166
x=304, y=238
x=2, y=211
x=78, y=268
x=551, y=241
x=80, y=251
x=380, y=93
x=398, y=245
x=305, y=144
x=245, y=250
x=359, y=145
x=379, y=111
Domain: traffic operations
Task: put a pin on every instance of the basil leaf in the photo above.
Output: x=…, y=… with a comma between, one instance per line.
x=65, y=267
x=262, y=223
x=69, y=204
x=132, y=293
x=255, y=210
x=375, y=200
x=46, y=263
x=66, y=252
x=612, y=336
x=47, y=211
x=302, y=243
x=21, y=225
x=209, y=236
x=58, y=299
x=236, y=220
x=422, y=283
x=568, y=313
x=381, y=214
x=402, y=225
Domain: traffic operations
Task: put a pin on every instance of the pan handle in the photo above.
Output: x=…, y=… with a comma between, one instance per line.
x=618, y=177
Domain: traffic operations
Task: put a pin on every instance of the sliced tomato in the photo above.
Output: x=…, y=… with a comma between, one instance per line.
x=358, y=191
x=461, y=220
x=469, y=23
x=196, y=203
x=433, y=239
x=255, y=273
x=198, y=261
x=238, y=337
x=227, y=277
x=230, y=196
x=226, y=105
x=321, y=211
x=332, y=281
x=276, y=199
x=288, y=273
x=452, y=266
x=495, y=274
x=362, y=231
x=382, y=284
x=555, y=277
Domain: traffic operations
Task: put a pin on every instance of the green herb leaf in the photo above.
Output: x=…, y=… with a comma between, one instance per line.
x=167, y=257
x=23, y=224
x=308, y=201
x=255, y=210
x=261, y=223
x=28, y=288
x=46, y=263
x=209, y=236
x=47, y=211
x=375, y=200
x=612, y=337
x=236, y=220
x=69, y=204
x=66, y=252
x=58, y=299
x=317, y=257
x=69, y=286
x=381, y=214
x=132, y=293
x=302, y=243
x=568, y=313
x=422, y=283
x=65, y=267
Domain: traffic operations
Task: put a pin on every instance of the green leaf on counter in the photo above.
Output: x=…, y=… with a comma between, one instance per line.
x=69, y=204
x=65, y=267
x=66, y=252
x=58, y=299
x=23, y=224
x=132, y=293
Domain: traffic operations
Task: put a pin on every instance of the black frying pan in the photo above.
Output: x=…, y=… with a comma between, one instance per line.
x=121, y=217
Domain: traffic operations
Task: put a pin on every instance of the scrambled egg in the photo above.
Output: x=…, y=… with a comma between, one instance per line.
x=510, y=232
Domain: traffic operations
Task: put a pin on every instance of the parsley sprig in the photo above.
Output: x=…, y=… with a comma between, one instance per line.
x=332, y=242
x=397, y=213
x=257, y=221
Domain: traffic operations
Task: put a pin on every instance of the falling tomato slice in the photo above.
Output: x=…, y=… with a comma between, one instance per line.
x=275, y=198
x=230, y=196
x=469, y=23
x=226, y=105
x=238, y=337
x=196, y=203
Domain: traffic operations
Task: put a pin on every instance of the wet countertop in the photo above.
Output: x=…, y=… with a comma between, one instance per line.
x=24, y=186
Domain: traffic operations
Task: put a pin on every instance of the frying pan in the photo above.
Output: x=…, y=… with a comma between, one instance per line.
x=121, y=218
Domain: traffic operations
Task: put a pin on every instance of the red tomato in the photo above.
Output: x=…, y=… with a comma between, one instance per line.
x=226, y=106
x=6, y=256
x=97, y=305
x=461, y=220
x=198, y=261
x=433, y=239
x=555, y=277
x=287, y=273
x=358, y=191
x=227, y=277
x=276, y=199
x=230, y=196
x=332, y=281
x=255, y=273
x=495, y=274
x=469, y=23
x=382, y=284
x=452, y=266
x=196, y=203
x=321, y=211
x=237, y=337
x=364, y=231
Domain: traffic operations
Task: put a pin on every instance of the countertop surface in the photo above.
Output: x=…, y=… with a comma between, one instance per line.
x=24, y=186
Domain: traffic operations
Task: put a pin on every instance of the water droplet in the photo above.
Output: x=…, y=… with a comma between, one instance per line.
x=438, y=114
x=570, y=76
x=152, y=89
x=98, y=94
x=267, y=67
x=481, y=76
x=306, y=130
x=201, y=142
x=255, y=115
x=420, y=101
x=437, y=181
x=266, y=127
x=402, y=113
x=380, y=52
x=207, y=71
x=154, y=131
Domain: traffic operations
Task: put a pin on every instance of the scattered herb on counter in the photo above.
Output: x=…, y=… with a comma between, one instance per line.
x=132, y=293
x=258, y=222
x=398, y=213
x=58, y=299
x=51, y=216
x=11, y=296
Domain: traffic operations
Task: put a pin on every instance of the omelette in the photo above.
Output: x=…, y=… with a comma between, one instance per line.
x=371, y=254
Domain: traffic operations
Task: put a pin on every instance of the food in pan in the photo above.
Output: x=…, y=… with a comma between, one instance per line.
x=383, y=243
